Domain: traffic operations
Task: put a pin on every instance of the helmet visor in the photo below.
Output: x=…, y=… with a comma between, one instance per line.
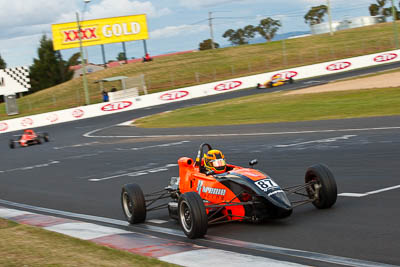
x=218, y=163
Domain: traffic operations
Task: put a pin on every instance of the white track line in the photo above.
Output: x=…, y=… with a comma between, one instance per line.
x=90, y=134
x=328, y=140
x=155, y=146
x=77, y=145
x=136, y=173
x=369, y=193
x=27, y=168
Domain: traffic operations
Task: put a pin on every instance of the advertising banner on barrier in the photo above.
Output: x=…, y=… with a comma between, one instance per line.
x=100, y=31
x=202, y=90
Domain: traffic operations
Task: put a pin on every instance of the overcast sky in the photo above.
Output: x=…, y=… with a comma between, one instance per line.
x=174, y=25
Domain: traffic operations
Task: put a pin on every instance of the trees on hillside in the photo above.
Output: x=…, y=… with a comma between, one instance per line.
x=75, y=59
x=3, y=64
x=206, y=44
x=49, y=68
x=121, y=56
x=240, y=36
x=316, y=14
x=268, y=28
x=380, y=9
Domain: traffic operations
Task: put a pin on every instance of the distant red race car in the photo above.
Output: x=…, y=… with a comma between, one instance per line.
x=29, y=137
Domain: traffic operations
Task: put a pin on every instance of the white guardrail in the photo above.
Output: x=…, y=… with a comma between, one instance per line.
x=181, y=94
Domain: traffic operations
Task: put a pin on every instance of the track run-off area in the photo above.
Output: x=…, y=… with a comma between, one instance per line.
x=80, y=172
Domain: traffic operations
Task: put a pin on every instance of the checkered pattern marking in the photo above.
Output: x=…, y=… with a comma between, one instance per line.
x=20, y=75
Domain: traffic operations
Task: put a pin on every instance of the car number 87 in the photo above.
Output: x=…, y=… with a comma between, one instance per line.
x=266, y=184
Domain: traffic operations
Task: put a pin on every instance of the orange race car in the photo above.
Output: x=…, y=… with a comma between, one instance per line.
x=209, y=191
x=29, y=137
x=276, y=80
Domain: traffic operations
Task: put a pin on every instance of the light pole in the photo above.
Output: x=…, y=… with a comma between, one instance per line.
x=210, y=24
x=84, y=79
x=211, y=29
x=396, y=34
x=280, y=18
x=330, y=17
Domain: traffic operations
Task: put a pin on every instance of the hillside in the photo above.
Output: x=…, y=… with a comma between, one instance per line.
x=165, y=73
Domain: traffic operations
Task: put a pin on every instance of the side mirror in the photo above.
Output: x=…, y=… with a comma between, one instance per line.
x=253, y=162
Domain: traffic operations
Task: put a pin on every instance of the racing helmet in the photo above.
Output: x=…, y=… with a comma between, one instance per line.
x=214, y=161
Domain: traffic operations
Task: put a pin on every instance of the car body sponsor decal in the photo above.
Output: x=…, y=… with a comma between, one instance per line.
x=209, y=190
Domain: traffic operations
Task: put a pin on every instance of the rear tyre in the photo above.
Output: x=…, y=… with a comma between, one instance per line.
x=269, y=85
x=38, y=141
x=325, y=181
x=11, y=144
x=46, y=137
x=133, y=203
x=192, y=215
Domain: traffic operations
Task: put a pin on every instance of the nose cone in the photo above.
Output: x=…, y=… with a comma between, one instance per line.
x=280, y=199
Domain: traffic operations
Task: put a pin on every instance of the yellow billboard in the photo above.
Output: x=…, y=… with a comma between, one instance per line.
x=100, y=31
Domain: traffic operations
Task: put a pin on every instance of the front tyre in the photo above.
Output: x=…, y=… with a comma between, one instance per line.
x=11, y=144
x=133, y=203
x=192, y=215
x=323, y=188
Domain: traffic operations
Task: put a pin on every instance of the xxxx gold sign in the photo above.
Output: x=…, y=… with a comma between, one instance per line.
x=100, y=31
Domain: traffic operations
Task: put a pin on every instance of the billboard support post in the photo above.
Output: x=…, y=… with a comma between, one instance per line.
x=125, y=55
x=84, y=79
x=145, y=47
x=396, y=34
x=330, y=18
x=104, y=56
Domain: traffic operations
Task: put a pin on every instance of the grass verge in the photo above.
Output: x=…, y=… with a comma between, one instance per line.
x=22, y=245
x=277, y=107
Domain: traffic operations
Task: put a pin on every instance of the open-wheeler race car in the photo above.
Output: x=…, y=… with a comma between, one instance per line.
x=199, y=198
x=29, y=137
x=276, y=80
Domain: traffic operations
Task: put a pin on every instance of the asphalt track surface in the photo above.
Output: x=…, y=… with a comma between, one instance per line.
x=84, y=166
